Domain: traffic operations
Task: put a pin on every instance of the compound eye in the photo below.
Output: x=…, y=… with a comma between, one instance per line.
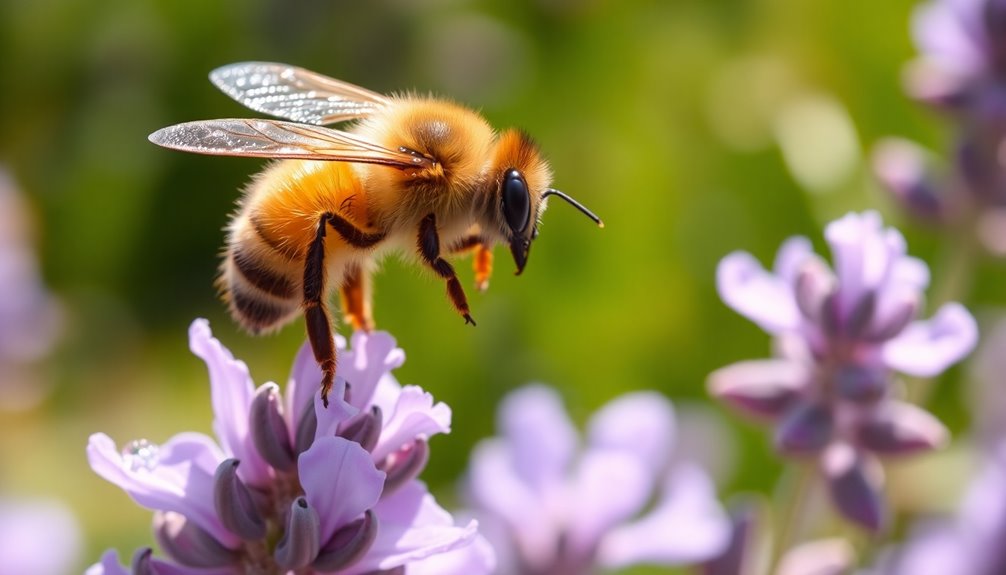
x=516, y=201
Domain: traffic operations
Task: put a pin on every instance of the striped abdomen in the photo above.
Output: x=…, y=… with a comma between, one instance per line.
x=263, y=270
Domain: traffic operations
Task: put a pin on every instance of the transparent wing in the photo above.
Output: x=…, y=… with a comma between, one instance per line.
x=277, y=139
x=295, y=93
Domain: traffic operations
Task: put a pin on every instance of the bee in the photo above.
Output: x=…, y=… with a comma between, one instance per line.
x=414, y=174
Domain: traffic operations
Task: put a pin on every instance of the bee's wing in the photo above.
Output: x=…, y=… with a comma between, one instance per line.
x=277, y=139
x=295, y=93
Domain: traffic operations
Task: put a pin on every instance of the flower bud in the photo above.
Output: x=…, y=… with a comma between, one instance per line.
x=141, y=563
x=854, y=482
x=859, y=383
x=348, y=544
x=363, y=428
x=307, y=426
x=760, y=388
x=814, y=283
x=268, y=429
x=900, y=165
x=404, y=465
x=807, y=428
x=189, y=544
x=861, y=315
x=901, y=429
x=299, y=545
x=234, y=504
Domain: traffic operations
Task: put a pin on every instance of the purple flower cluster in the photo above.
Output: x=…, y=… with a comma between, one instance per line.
x=841, y=336
x=550, y=506
x=290, y=486
x=962, y=72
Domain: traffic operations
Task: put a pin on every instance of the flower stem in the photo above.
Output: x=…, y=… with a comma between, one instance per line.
x=797, y=488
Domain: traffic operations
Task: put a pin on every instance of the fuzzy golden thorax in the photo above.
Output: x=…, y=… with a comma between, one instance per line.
x=458, y=139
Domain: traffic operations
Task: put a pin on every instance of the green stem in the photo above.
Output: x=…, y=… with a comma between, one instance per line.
x=796, y=515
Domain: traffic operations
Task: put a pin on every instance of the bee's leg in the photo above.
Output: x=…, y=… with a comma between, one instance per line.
x=429, y=249
x=355, y=294
x=482, y=259
x=316, y=316
x=483, y=263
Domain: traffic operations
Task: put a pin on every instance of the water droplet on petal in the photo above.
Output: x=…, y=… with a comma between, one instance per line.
x=140, y=454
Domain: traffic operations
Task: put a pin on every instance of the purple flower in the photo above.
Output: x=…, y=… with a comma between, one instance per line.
x=962, y=70
x=964, y=54
x=290, y=486
x=38, y=537
x=30, y=317
x=552, y=507
x=968, y=543
x=841, y=336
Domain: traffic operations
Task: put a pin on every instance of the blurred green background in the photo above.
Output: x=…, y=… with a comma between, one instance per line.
x=693, y=127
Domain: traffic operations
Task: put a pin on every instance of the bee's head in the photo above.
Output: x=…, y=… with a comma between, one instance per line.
x=520, y=187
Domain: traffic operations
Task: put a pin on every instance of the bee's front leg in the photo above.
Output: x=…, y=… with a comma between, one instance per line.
x=319, y=322
x=482, y=258
x=429, y=249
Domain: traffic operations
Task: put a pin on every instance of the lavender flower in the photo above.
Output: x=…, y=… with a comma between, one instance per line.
x=841, y=336
x=962, y=70
x=291, y=486
x=969, y=543
x=39, y=537
x=552, y=508
x=30, y=317
x=963, y=64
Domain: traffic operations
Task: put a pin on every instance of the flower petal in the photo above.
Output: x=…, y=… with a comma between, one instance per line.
x=743, y=548
x=340, y=482
x=232, y=392
x=950, y=34
x=180, y=480
x=864, y=253
x=477, y=558
x=688, y=525
x=926, y=348
x=821, y=557
x=414, y=416
x=791, y=257
x=641, y=423
x=533, y=518
x=412, y=528
x=608, y=487
x=542, y=438
x=757, y=294
x=370, y=357
x=109, y=565
x=40, y=537
x=338, y=410
x=763, y=388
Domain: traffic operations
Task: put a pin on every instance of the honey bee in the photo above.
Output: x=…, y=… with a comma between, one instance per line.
x=414, y=174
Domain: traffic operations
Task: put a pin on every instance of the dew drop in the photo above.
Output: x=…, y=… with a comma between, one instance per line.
x=140, y=454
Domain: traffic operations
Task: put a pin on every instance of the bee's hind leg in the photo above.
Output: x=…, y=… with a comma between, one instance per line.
x=355, y=295
x=316, y=316
x=429, y=249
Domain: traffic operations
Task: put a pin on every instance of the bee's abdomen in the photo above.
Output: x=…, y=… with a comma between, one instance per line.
x=261, y=292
